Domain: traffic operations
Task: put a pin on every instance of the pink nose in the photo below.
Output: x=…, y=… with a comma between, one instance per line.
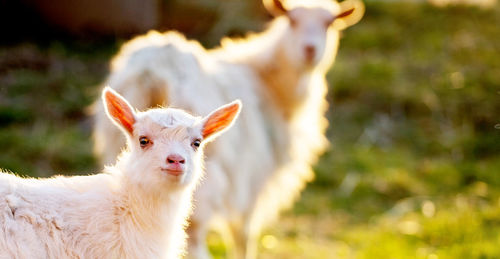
x=310, y=52
x=175, y=159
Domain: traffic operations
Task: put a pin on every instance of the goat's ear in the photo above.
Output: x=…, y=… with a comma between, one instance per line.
x=220, y=120
x=275, y=7
x=118, y=110
x=351, y=11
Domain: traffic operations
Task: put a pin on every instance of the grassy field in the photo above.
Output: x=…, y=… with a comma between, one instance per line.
x=414, y=166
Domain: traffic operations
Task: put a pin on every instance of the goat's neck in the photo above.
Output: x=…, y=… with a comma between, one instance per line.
x=149, y=213
x=285, y=83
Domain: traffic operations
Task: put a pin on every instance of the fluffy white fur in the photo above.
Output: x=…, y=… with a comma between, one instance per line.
x=261, y=166
x=134, y=209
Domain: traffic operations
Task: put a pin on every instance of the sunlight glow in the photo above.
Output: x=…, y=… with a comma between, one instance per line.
x=269, y=241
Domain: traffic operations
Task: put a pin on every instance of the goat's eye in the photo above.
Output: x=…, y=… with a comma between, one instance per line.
x=196, y=143
x=144, y=141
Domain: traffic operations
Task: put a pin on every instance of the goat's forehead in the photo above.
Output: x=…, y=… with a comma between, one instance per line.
x=314, y=6
x=310, y=14
x=168, y=117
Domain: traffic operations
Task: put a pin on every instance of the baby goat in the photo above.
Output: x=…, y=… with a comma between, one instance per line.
x=134, y=209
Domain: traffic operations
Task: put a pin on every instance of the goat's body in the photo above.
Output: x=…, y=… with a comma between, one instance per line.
x=260, y=166
x=96, y=216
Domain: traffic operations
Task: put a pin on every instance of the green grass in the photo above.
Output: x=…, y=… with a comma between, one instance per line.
x=45, y=90
x=414, y=166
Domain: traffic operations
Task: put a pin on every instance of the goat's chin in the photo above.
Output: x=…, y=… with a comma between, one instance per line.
x=310, y=62
x=303, y=63
x=309, y=65
x=175, y=179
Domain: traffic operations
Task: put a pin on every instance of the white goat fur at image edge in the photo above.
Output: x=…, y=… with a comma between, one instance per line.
x=260, y=167
x=134, y=209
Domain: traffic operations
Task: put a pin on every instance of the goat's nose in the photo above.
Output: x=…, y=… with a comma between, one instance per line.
x=175, y=159
x=309, y=51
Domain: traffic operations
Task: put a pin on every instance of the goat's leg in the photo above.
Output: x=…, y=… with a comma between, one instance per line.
x=244, y=239
x=197, y=240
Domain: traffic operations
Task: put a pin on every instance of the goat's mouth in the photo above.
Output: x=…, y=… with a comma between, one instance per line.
x=310, y=61
x=172, y=171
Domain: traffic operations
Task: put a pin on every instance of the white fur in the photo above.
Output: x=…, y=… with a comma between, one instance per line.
x=131, y=210
x=261, y=166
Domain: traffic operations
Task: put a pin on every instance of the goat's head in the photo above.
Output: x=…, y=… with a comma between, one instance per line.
x=310, y=22
x=165, y=145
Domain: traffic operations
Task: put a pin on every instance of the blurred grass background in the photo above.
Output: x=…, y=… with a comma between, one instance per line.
x=414, y=166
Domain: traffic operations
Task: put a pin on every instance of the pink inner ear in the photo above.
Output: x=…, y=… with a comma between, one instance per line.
x=278, y=5
x=120, y=111
x=220, y=119
x=346, y=13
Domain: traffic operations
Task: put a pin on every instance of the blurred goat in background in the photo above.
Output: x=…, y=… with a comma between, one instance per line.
x=262, y=164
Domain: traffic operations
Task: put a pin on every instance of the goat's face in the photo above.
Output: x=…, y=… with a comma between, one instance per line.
x=165, y=145
x=313, y=28
x=165, y=148
x=307, y=34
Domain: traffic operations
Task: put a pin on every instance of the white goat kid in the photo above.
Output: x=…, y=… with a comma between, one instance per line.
x=135, y=209
x=261, y=166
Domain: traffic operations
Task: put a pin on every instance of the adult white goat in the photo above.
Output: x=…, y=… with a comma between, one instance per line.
x=135, y=209
x=265, y=161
